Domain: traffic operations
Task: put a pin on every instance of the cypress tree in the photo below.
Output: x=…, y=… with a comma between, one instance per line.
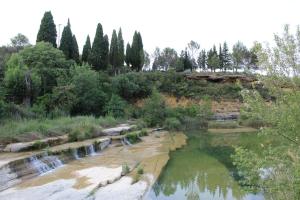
x=47, y=31
x=66, y=42
x=137, y=52
x=105, y=53
x=86, y=50
x=120, y=49
x=127, y=57
x=226, y=57
x=75, y=51
x=114, y=51
x=221, y=58
x=96, y=52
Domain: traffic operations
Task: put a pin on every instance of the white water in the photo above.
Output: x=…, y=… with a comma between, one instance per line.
x=126, y=141
x=75, y=154
x=91, y=150
x=44, y=164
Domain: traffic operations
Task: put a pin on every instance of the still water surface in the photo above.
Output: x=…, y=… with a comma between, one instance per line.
x=203, y=169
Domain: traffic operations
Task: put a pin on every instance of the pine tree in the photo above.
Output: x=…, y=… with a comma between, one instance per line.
x=202, y=60
x=221, y=58
x=120, y=49
x=47, y=31
x=137, y=52
x=75, y=51
x=96, y=52
x=226, y=57
x=105, y=53
x=66, y=42
x=128, y=53
x=86, y=50
x=114, y=51
x=187, y=64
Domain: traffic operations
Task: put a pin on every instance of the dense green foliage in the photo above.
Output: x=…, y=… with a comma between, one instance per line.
x=275, y=170
x=86, y=50
x=47, y=31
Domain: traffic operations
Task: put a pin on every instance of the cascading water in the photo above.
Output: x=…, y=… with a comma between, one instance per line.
x=75, y=154
x=91, y=150
x=126, y=141
x=38, y=165
x=45, y=163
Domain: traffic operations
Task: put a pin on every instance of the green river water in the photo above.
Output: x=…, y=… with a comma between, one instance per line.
x=203, y=169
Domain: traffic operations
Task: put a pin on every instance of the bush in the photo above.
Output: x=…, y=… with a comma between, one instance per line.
x=125, y=169
x=76, y=135
x=132, y=86
x=154, y=110
x=116, y=107
x=132, y=137
x=173, y=124
x=140, y=170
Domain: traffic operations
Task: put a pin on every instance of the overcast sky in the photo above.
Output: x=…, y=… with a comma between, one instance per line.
x=162, y=23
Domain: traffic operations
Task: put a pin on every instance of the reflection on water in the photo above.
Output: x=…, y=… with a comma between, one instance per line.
x=203, y=170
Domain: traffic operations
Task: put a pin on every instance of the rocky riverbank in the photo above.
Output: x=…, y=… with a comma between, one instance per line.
x=101, y=175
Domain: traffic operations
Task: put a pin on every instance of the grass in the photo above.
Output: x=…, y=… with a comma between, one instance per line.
x=27, y=130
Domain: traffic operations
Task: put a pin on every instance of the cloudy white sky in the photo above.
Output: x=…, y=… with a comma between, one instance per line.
x=162, y=23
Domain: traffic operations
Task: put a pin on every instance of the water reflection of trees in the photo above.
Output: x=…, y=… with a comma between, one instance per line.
x=200, y=169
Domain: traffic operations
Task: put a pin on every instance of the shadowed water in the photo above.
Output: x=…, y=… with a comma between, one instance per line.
x=203, y=170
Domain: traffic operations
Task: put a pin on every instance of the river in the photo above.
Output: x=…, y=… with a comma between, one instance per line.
x=203, y=169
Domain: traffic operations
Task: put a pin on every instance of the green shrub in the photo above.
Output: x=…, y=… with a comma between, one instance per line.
x=154, y=110
x=143, y=132
x=140, y=170
x=132, y=137
x=76, y=135
x=172, y=123
x=116, y=106
x=125, y=169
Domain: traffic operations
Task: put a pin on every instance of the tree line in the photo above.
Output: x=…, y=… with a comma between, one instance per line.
x=193, y=58
x=100, y=54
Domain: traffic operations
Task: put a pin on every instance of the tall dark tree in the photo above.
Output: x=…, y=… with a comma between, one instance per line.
x=213, y=61
x=75, y=50
x=186, y=60
x=105, y=53
x=221, y=58
x=96, y=52
x=137, y=52
x=114, y=51
x=127, y=56
x=120, y=49
x=86, y=50
x=226, y=57
x=202, y=60
x=47, y=31
x=66, y=42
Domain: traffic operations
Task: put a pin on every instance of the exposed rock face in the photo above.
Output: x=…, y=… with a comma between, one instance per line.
x=13, y=171
x=117, y=130
x=100, y=177
x=227, y=78
x=24, y=146
x=226, y=116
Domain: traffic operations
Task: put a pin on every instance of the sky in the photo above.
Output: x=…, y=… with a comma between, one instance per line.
x=162, y=23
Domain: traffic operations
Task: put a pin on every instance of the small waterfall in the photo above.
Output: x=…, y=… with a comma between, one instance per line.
x=126, y=141
x=91, y=150
x=44, y=164
x=75, y=154
x=38, y=165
